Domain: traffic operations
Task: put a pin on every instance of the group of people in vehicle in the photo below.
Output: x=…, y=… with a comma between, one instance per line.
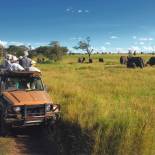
x=23, y=63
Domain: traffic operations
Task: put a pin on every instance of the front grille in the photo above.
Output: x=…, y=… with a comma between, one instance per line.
x=37, y=110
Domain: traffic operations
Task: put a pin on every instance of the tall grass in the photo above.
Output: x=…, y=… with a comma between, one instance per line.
x=107, y=109
x=114, y=106
x=111, y=105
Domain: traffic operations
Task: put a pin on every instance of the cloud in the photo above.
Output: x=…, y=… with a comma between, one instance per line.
x=68, y=9
x=114, y=37
x=146, y=39
x=79, y=11
x=75, y=38
x=119, y=49
x=3, y=43
x=41, y=43
x=150, y=39
x=135, y=48
x=86, y=11
x=103, y=48
x=143, y=39
x=141, y=43
x=7, y=43
x=16, y=43
x=95, y=49
x=108, y=43
x=134, y=37
x=148, y=48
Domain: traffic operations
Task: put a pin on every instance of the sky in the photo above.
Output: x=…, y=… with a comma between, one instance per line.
x=112, y=25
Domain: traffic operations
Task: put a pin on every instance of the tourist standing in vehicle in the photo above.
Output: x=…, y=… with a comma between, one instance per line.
x=26, y=62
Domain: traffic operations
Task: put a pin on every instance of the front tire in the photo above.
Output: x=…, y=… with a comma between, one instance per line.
x=4, y=129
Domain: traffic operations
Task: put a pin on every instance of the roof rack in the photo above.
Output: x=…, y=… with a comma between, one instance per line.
x=4, y=72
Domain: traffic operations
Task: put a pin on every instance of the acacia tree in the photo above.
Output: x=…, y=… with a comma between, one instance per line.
x=85, y=45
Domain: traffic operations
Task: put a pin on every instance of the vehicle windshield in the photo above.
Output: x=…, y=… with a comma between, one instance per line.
x=23, y=83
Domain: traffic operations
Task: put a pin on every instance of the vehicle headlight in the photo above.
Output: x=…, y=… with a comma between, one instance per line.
x=17, y=109
x=56, y=108
x=48, y=107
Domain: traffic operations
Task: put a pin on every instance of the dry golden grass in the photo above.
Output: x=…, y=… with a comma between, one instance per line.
x=6, y=146
x=107, y=109
x=114, y=104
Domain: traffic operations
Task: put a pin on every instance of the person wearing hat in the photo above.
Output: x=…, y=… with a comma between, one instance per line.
x=25, y=62
x=7, y=62
x=20, y=60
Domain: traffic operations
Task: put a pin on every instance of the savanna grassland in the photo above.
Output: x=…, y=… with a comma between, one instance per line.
x=107, y=109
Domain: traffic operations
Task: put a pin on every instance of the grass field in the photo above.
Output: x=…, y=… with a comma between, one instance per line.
x=107, y=109
x=111, y=105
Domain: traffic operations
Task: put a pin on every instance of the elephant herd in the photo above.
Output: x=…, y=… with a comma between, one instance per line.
x=129, y=61
x=83, y=59
x=133, y=62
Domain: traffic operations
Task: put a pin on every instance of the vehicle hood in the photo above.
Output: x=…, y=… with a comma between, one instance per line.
x=27, y=97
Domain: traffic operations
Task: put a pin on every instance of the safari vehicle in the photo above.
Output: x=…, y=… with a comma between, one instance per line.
x=24, y=101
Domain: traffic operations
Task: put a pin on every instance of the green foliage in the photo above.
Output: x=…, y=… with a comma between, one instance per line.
x=1, y=50
x=85, y=45
x=16, y=50
x=54, y=51
x=40, y=51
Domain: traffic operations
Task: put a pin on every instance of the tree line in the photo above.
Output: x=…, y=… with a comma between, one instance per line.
x=53, y=51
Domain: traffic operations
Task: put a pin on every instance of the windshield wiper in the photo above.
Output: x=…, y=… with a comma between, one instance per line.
x=29, y=89
x=12, y=90
x=34, y=89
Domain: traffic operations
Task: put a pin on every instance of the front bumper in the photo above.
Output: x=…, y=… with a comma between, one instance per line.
x=33, y=121
x=33, y=115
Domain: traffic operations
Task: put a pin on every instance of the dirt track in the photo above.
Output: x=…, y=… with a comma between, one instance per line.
x=34, y=141
x=66, y=139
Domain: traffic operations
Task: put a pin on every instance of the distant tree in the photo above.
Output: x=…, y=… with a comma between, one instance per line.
x=16, y=50
x=54, y=44
x=1, y=50
x=130, y=53
x=42, y=50
x=53, y=51
x=135, y=52
x=56, y=51
x=64, y=50
x=85, y=45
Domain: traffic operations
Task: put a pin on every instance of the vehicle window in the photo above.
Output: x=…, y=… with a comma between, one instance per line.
x=23, y=83
x=11, y=83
